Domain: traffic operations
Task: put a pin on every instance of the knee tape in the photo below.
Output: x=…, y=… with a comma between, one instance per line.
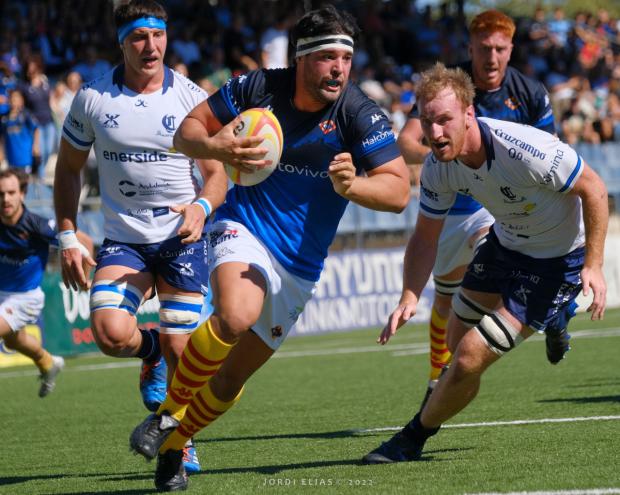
x=179, y=314
x=498, y=334
x=468, y=311
x=446, y=287
x=110, y=294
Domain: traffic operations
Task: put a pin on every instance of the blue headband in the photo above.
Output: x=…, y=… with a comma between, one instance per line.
x=142, y=22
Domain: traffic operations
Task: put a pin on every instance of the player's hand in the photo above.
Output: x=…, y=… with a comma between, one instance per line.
x=243, y=153
x=193, y=222
x=342, y=173
x=401, y=315
x=593, y=278
x=75, y=268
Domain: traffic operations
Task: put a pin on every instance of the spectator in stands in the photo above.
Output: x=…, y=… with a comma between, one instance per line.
x=36, y=90
x=20, y=135
x=7, y=83
x=91, y=66
x=274, y=44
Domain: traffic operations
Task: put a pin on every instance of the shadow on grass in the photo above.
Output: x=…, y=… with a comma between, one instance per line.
x=594, y=383
x=586, y=400
x=106, y=492
x=278, y=468
x=326, y=434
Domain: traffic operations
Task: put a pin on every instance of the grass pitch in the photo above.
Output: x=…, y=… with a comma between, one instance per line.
x=318, y=406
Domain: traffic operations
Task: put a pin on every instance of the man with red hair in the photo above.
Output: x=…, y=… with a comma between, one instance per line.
x=502, y=92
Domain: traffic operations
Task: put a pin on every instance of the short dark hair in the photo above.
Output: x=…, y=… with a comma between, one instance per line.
x=135, y=9
x=327, y=20
x=22, y=177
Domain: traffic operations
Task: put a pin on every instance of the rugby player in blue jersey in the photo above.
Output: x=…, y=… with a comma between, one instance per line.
x=545, y=246
x=502, y=92
x=154, y=208
x=268, y=243
x=25, y=239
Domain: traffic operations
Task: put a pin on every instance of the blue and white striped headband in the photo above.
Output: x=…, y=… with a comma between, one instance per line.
x=141, y=22
x=323, y=42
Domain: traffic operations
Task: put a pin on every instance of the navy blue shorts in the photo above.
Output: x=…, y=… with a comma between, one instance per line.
x=181, y=265
x=536, y=291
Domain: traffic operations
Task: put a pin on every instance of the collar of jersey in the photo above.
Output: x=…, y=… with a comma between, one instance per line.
x=118, y=77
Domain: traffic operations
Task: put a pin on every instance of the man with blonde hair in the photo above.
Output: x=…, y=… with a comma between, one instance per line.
x=545, y=246
x=501, y=92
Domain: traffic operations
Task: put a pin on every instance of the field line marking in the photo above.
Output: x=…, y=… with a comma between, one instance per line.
x=589, y=491
x=500, y=423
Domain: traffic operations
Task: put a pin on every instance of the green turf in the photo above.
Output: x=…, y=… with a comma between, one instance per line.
x=295, y=428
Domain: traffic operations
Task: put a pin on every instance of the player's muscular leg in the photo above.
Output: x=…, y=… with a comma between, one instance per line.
x=115, y=330
x=20, y=341
x=238, y=296
x=244, y=359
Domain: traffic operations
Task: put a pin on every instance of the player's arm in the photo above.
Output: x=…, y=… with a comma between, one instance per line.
x=67, y=185
x=384, y=188
x=593, y=193
x=202, y=136
x=210, y=197
x=411, y=142
x=418, y=264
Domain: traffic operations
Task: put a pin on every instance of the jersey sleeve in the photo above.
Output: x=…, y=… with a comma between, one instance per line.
x=559, y=168
x=542, y=112
x=436, y=197
x=77, y=128
x=373, y=139
x=237, y=95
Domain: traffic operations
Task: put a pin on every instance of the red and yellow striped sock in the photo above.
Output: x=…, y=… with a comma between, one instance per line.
x=201, y=358
x=45, y=362
x=201, y=412
x=440, y=355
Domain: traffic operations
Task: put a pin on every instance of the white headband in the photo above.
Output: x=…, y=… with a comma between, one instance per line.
x=323, y=42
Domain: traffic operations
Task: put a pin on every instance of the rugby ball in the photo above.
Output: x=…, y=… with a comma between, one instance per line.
x=259, y=122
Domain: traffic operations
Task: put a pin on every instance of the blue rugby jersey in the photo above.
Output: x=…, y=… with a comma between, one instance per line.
x=295, y=212
x=18, y=133
x=519, y=99
x=24, y=249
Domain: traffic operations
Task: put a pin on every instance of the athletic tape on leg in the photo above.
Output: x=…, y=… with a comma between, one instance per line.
x=499, y=334
x=179, y=314
x=109, y=294
x=468, y=311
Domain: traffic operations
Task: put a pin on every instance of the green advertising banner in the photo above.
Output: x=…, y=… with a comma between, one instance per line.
x=66, y=318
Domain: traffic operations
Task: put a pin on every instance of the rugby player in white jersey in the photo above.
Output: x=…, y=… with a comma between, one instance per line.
x=545, y=246
x=153, y=207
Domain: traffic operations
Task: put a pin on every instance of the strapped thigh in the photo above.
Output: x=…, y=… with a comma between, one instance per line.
x=179, y=314
x=468, y=311
x=498, y=333
x=446, y=287
x=111, y=294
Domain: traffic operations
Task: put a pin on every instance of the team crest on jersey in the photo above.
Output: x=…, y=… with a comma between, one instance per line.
x=168, y=122
x=511, y=196
x=327, y=126
x=276, y=332
x=111, y=121
x=512, y=103
x=186, y=269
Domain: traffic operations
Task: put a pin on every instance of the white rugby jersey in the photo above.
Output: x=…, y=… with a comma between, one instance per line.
x=524, y=184
x=140, y=174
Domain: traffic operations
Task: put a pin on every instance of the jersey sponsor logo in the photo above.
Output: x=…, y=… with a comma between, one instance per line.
x=219, y=236
x=143, y=156
x=129, y=189
x=168, y=122
x=527, y=147
x=304, y=171
x=140, y=103
x=327, y=126
x=175, y=253
x=112, y=250
x=378, y=137
x=7, y=260
x=111, y=121
x=160, y=212
x=75, y=123
x=555, y=163
x=512, y=103
x=432, y=195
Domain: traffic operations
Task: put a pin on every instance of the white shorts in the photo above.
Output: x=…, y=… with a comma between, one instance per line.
x=454, y=248
x=21, y=308
x=287, y=294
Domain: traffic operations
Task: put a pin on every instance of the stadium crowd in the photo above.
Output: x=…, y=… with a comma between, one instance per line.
x=48, y=48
